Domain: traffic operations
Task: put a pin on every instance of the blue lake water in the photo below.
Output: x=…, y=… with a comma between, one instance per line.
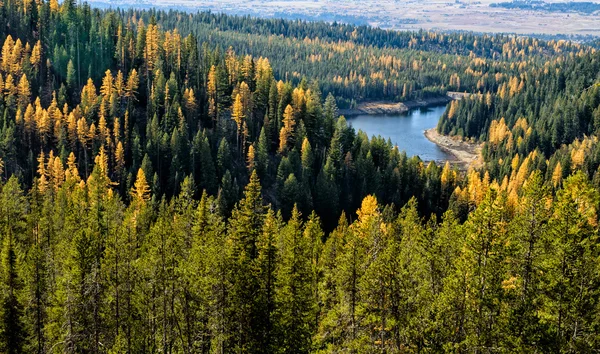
x=405, y=130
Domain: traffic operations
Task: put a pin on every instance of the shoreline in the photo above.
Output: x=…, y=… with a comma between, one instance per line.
x=386, y=107
x=461, y=154
x=464, y=154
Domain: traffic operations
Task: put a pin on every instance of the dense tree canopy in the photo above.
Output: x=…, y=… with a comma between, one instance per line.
x=185, y=183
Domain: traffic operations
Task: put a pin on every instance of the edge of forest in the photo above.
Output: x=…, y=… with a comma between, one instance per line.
x=387, y=107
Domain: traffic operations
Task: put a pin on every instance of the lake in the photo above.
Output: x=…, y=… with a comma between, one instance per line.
x=405, y=130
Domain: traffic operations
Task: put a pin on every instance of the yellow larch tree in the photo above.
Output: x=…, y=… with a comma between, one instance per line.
x=116, y=129
x=119, y=84
x=108, y=83
x=141, y=190
x=24, y=92
x=58, y=173
x=10, y=90
x=103, y=132
x=82, y=132
x=42, y=173
x=248, y=67
x=448, y=176
x=16, y=57
x=189, y=98
x=53, y=111
x=211, y=92
x=557, y=175
x=368, y=211
x=29, y=119
x=287, y=131
x=119, y=159
x=251, y=159
x=237, y=114
x=7, y=49
x=133, y=83
x=54, y=7
x=246, y=96
x=152, y=48
x=19, y=117
x=36, y=56
x=101, y=161
x=233, y=66
x=72, y=129
x=44, y=126
x=72, y=173
x=453, y=109
x=92, y=132
x=89, y=97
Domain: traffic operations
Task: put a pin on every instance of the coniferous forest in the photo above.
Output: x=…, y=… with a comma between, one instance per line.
x=184, y=183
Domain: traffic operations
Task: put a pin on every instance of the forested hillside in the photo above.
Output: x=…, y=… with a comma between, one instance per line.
x=184, y=183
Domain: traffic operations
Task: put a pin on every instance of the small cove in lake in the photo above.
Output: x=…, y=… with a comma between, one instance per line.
x=405, y=130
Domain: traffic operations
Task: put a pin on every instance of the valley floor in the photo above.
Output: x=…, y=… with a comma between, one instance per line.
x=439, y=15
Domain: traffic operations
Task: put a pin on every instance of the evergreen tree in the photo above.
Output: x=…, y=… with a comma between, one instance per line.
x=294, y=289
x=13, y=332
x=243, y=232
x=266, y=267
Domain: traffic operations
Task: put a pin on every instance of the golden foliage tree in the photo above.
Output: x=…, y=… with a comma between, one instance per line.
x=24, y=92
x=141, y=190
x=237, y=114
x=287, y=131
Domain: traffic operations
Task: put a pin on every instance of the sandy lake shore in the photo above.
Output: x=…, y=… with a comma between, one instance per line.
x=465, y=154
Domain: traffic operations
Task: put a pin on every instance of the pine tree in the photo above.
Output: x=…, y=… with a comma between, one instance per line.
x=529, y=228
x=404, y=268
x=158, y=265
x=266, y=268
x=329, y=330
x=243, y=232
x=448, y=280
x=571, y=283
x=289, y=195
x=294, y=293
x=314, y=233
x=205, y=274
x=207, y=172
x=12, y=222
x=13, y=332
x=224, y=158
x=228, y=194
x=307, y=161
x=262, y=154
x=367, y=237
x=485, y=255
x=330, y=113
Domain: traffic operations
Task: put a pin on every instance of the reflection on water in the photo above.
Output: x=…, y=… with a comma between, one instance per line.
x=405, y=130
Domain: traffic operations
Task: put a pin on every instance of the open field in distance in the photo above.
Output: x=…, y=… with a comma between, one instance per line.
x=445, y=15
